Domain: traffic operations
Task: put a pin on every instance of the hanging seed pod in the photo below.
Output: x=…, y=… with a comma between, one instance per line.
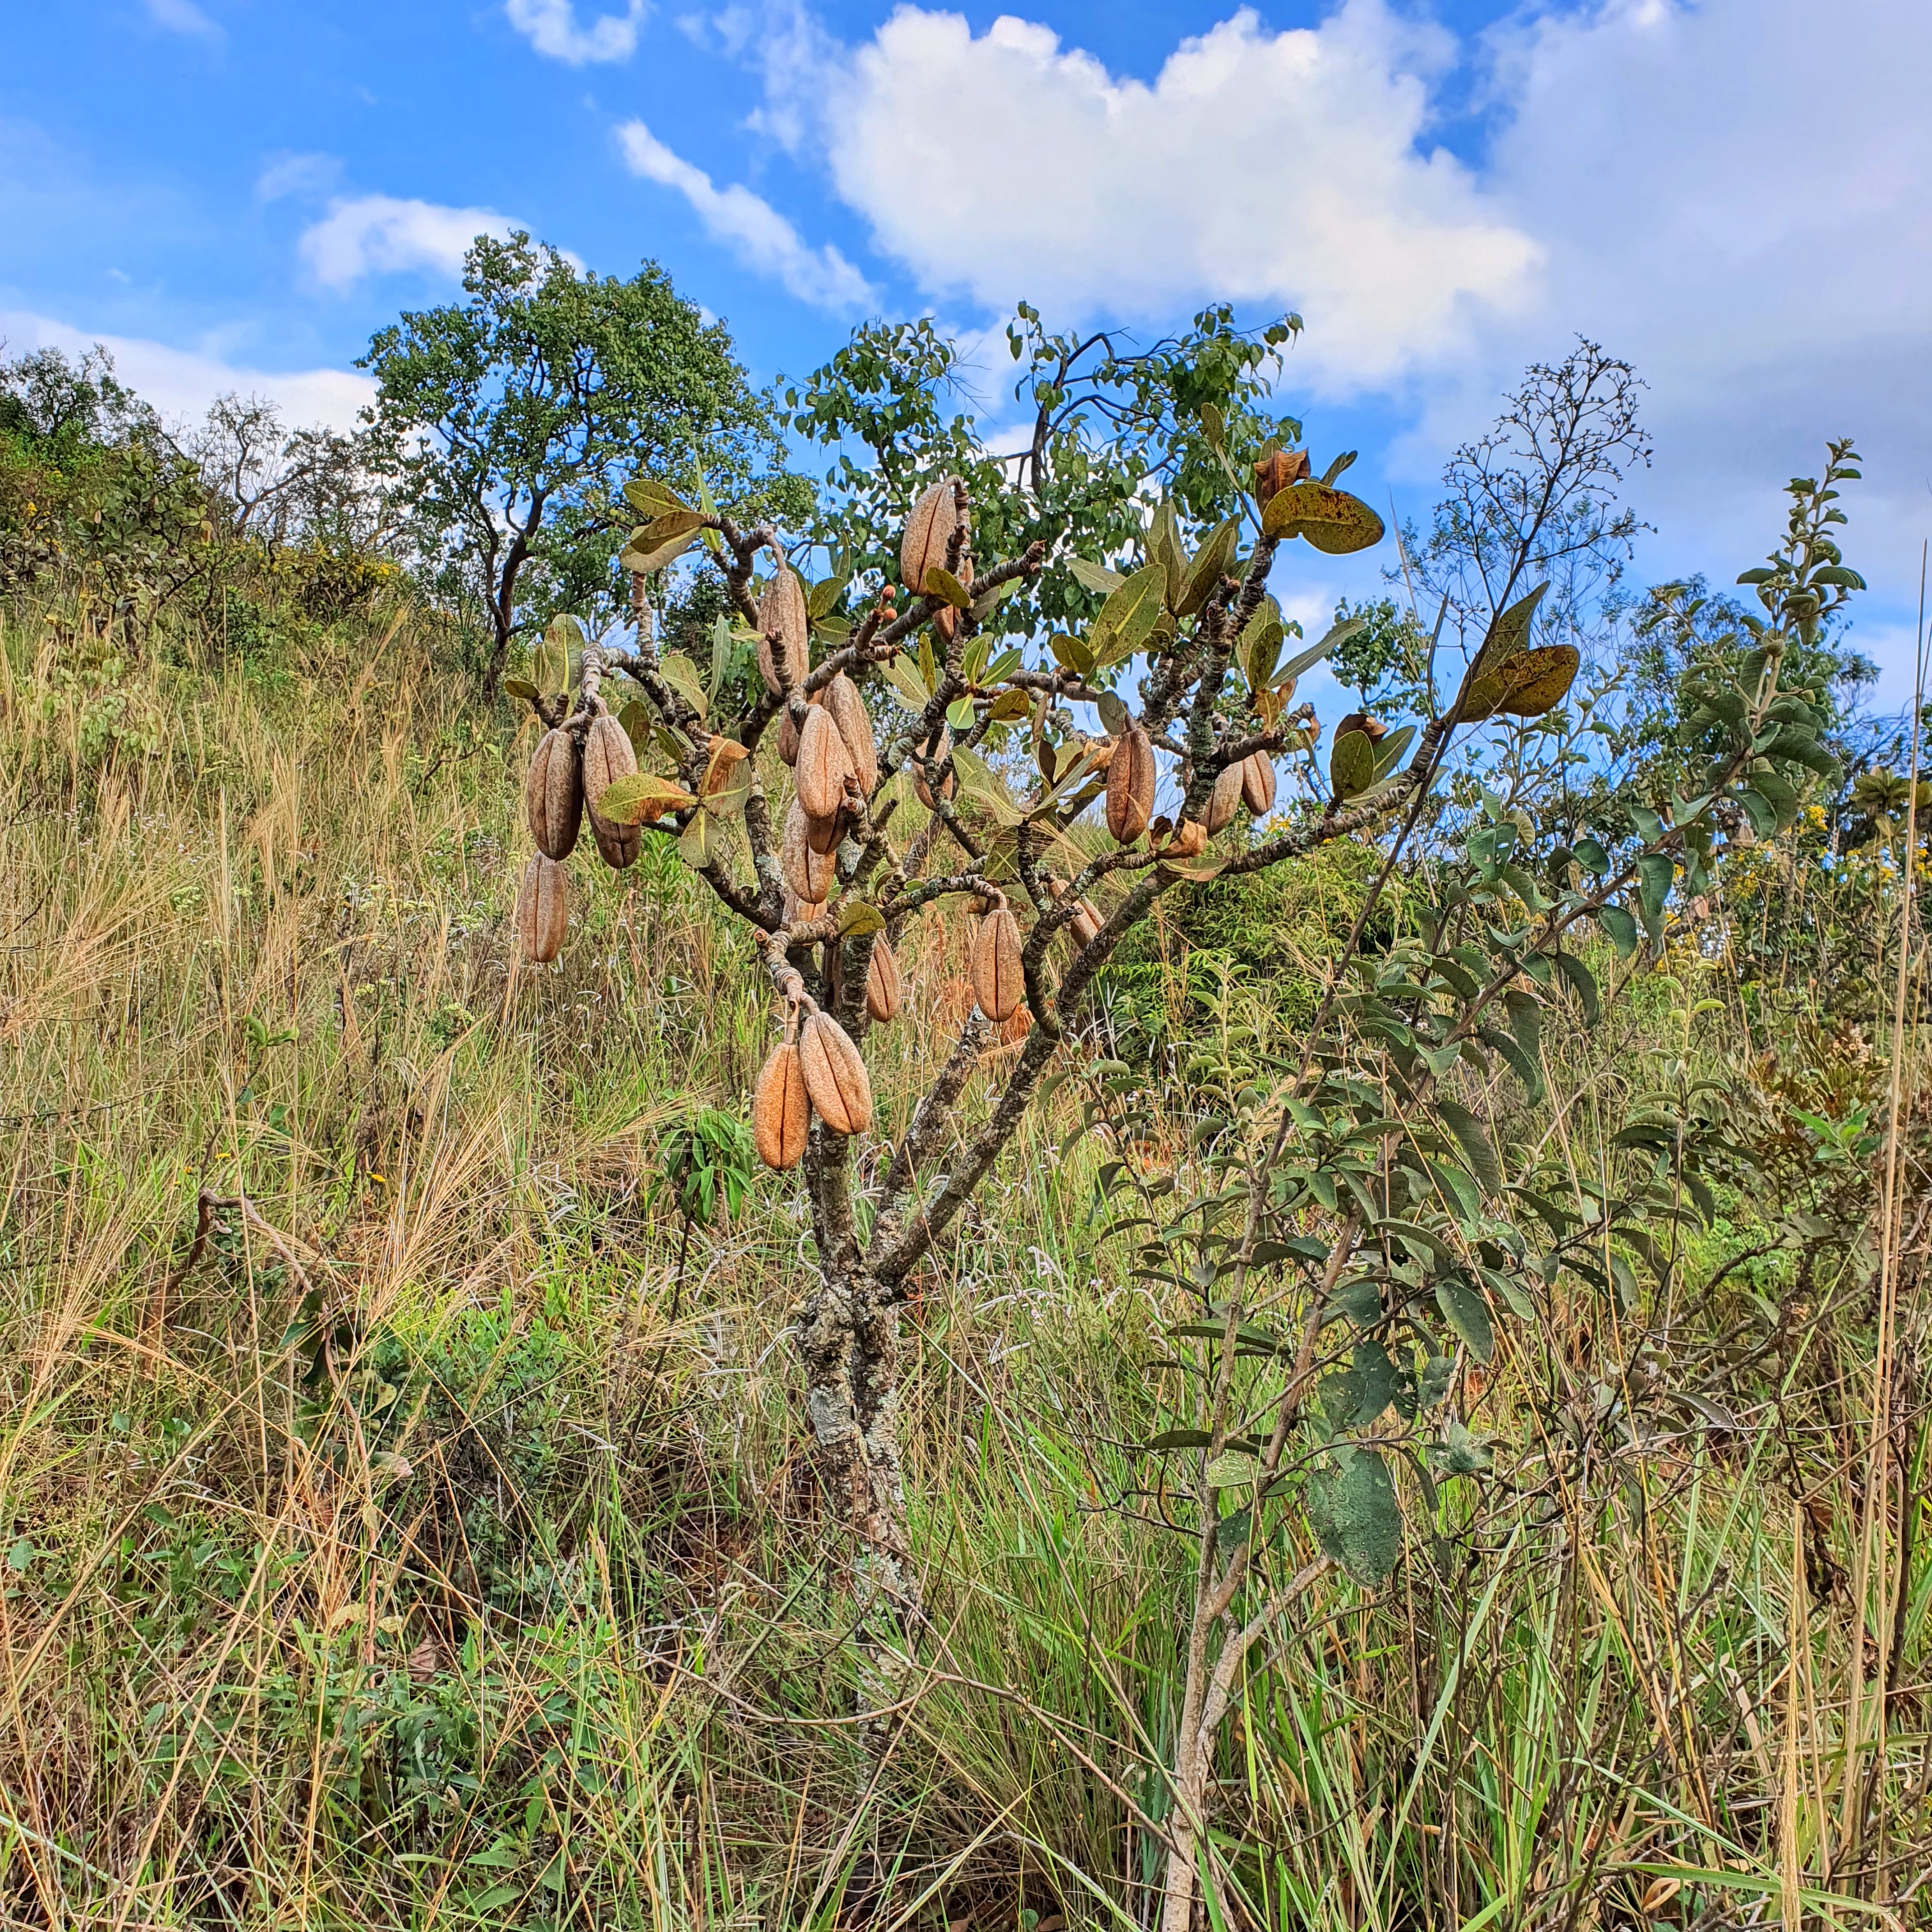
x=1225, y=797
x=938, y=748
x=846, y=709
x=810, y=873
x=543, y=909
x=835, y=1076
x=823, y=766
x=928, y=533
x=885, y=993
x=781, y=1109
x=782, y=609
x=787, y=738
x=998, y=984
x=608, y=754
x=1258, y=783
x=1085, y=923
x=553, y=795
x=1130, y=786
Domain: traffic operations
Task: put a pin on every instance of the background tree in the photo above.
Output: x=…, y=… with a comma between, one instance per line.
x=508, y=420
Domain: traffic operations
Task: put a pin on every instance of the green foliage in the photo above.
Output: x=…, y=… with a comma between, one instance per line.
x=706, y=1164
x=510, y=420
x=92, y=484
x=1108, y=423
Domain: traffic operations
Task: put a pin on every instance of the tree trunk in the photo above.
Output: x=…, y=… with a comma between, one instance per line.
x=847, y=1333
x=848, y=1338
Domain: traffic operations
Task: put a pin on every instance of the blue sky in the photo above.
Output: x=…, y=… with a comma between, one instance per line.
x=1736, y=194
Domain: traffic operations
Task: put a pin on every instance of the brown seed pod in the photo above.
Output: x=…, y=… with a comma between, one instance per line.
x=607, y=754
x=848, y=711
x=939, y=748
x=787, y=738
x=997, y=983
x=543, y=908
x=553, y=795
x=824, y=765
x=780, y=1110
x=928, y=532
x=1085, y=923
x=885, y=992
x=1130, y=784
x=835, y=1076
x=1371, y=728
x=809, y=872
x=1225, y=797
x=1258, y=783
x=782, y=609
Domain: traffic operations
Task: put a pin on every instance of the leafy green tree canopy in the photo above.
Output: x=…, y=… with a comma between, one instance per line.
x=1106, y=425
x=509, y=420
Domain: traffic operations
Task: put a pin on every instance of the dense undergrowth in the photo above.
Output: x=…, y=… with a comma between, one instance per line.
x=392, y=1538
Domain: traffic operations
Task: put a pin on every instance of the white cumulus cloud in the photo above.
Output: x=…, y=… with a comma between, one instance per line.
x=1738, y=203
x=1291, y=169
x=181, y=383
x=378, y=234
x=754, y=230
x=550, y=27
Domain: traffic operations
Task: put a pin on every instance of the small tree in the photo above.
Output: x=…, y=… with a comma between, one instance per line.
x=1368, y=1218
x=827, y=880
x=508, y=421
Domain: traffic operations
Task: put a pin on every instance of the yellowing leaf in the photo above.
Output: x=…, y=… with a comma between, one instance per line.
x=682, y=675
x=940, y=583
x=696, y=844
x=1211, y=563
x=906, y=686
x=721, y=765
x=658, y=554
x=651, y=498
x=641, y=798
x=1525, y=686
x=1127, y=618
x=1508, y=634
x=859, y=916
x=1351, y=763
x=1539, y=680
x=1331, y=519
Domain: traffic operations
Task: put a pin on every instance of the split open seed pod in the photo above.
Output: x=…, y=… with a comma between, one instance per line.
x=885, y=992
x=1131, y=776
x=553, y=795
x=809, y=872
x=781, y=1108
x=835, y=1076
x=1226, y=796
x=1258, y=783
x=782, y=613
x=846, y=709
x=938, y=748
x=998, y=984
x=928, y=534
x=608, y=754
x=543, y=909
x=824, y=765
